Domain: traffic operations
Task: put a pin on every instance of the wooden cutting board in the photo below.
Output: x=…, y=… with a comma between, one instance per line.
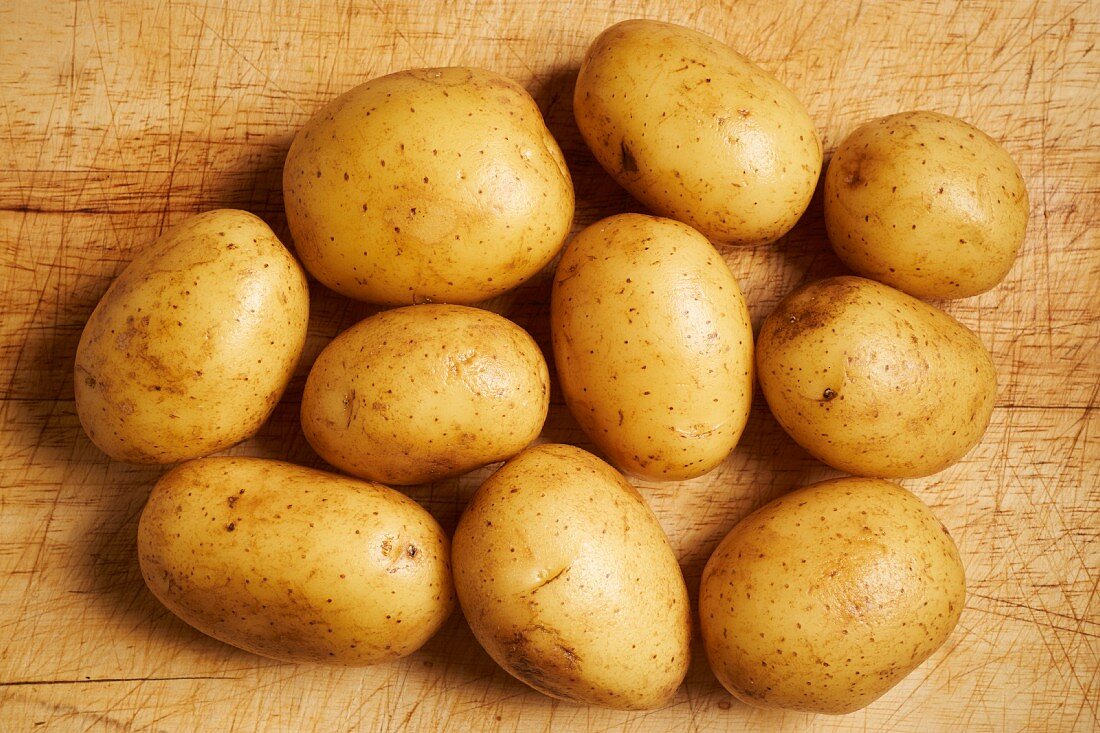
x=120, y=119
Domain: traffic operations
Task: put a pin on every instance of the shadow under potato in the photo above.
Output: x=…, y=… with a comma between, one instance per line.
x=597, y=193
x=255, y=184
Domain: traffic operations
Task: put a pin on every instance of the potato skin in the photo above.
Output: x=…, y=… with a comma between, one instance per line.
x=827, y=597
x=653, y=345
x=427, y=185
x=569, y=582
x=697, y=132
x=295, y=564
x=425, y=392
x=926, y=203
x=872, y=381
x=193, y=344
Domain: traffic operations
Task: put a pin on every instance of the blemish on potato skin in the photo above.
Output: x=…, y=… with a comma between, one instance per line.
x=627, y=164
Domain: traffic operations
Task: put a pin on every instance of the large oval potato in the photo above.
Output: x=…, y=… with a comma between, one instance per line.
x=192, y=346
x=427, y=185
x=295, y=564
x=653, y=345
x=425, y=392
x=872, y=381
x=926, y=203
x=569, y=582
x=827, y=597
x=697, y=132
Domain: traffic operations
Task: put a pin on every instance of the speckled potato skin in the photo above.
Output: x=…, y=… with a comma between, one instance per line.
x=653, y=345
x=192, y=346
x=872, y=381
x=827, y=597
x=569, y=582
x=697, y=132
x=425, y=392
x=926, y=203
x=427, y=185
x=295, y=564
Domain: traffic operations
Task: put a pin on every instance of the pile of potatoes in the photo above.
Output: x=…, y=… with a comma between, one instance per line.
x=435, y=189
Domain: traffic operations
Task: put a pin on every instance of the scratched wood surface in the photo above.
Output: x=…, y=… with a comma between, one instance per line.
x=119, y=119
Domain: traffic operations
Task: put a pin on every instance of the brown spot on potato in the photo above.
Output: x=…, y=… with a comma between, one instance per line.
x=628, y=163
x=544, y=666
x=811, y=307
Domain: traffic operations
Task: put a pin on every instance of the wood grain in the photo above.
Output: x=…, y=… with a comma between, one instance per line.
x=121, y=118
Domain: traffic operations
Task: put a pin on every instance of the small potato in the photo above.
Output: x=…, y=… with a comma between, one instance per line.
x=425, y=392
x=872, y=381
x=826, y=598
x=295, y=564
x=926, y=203
x=192, y=346
x=570, y=584
x=653, y=345
x=697, y=132
x=427, y=185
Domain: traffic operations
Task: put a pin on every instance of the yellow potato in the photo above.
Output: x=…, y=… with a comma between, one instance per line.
x=295, y=564
x=425, y=392
x=872, y=381
x=192, y=346
x=926, y=203
x=427, y=185
x=697, y=132
x=653, y=345
x=569, y=582
x=826, y=598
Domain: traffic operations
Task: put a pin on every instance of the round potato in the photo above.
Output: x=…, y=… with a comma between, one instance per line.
x=826, y=598
x=926, y=203
x=872, y=381
x=427, y=185
x=697, y=132
x=192, y=346
x=653, y=345
x=425, y=392
x=295, y=564
x=570, y=584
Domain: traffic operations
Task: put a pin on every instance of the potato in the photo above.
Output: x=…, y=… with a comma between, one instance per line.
x=827, y=597
x=653, y=345
x=295, y=564
x=926, y=203
x=427, y=185
x=569, y=582
x=425, y=392
x=192, y=346
x=872, y=381
x=697, y=132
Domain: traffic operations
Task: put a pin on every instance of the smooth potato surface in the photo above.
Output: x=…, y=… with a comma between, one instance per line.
x=926, y=203
x=653, y=345
x=427, y=185
x=872, y=381
x=425, y=392
x=697, y=132
x=192, y=346
x=569, y=582
x=827, y=597
x=295, y=564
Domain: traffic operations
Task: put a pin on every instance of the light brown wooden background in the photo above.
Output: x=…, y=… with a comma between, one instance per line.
x=118, y=119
